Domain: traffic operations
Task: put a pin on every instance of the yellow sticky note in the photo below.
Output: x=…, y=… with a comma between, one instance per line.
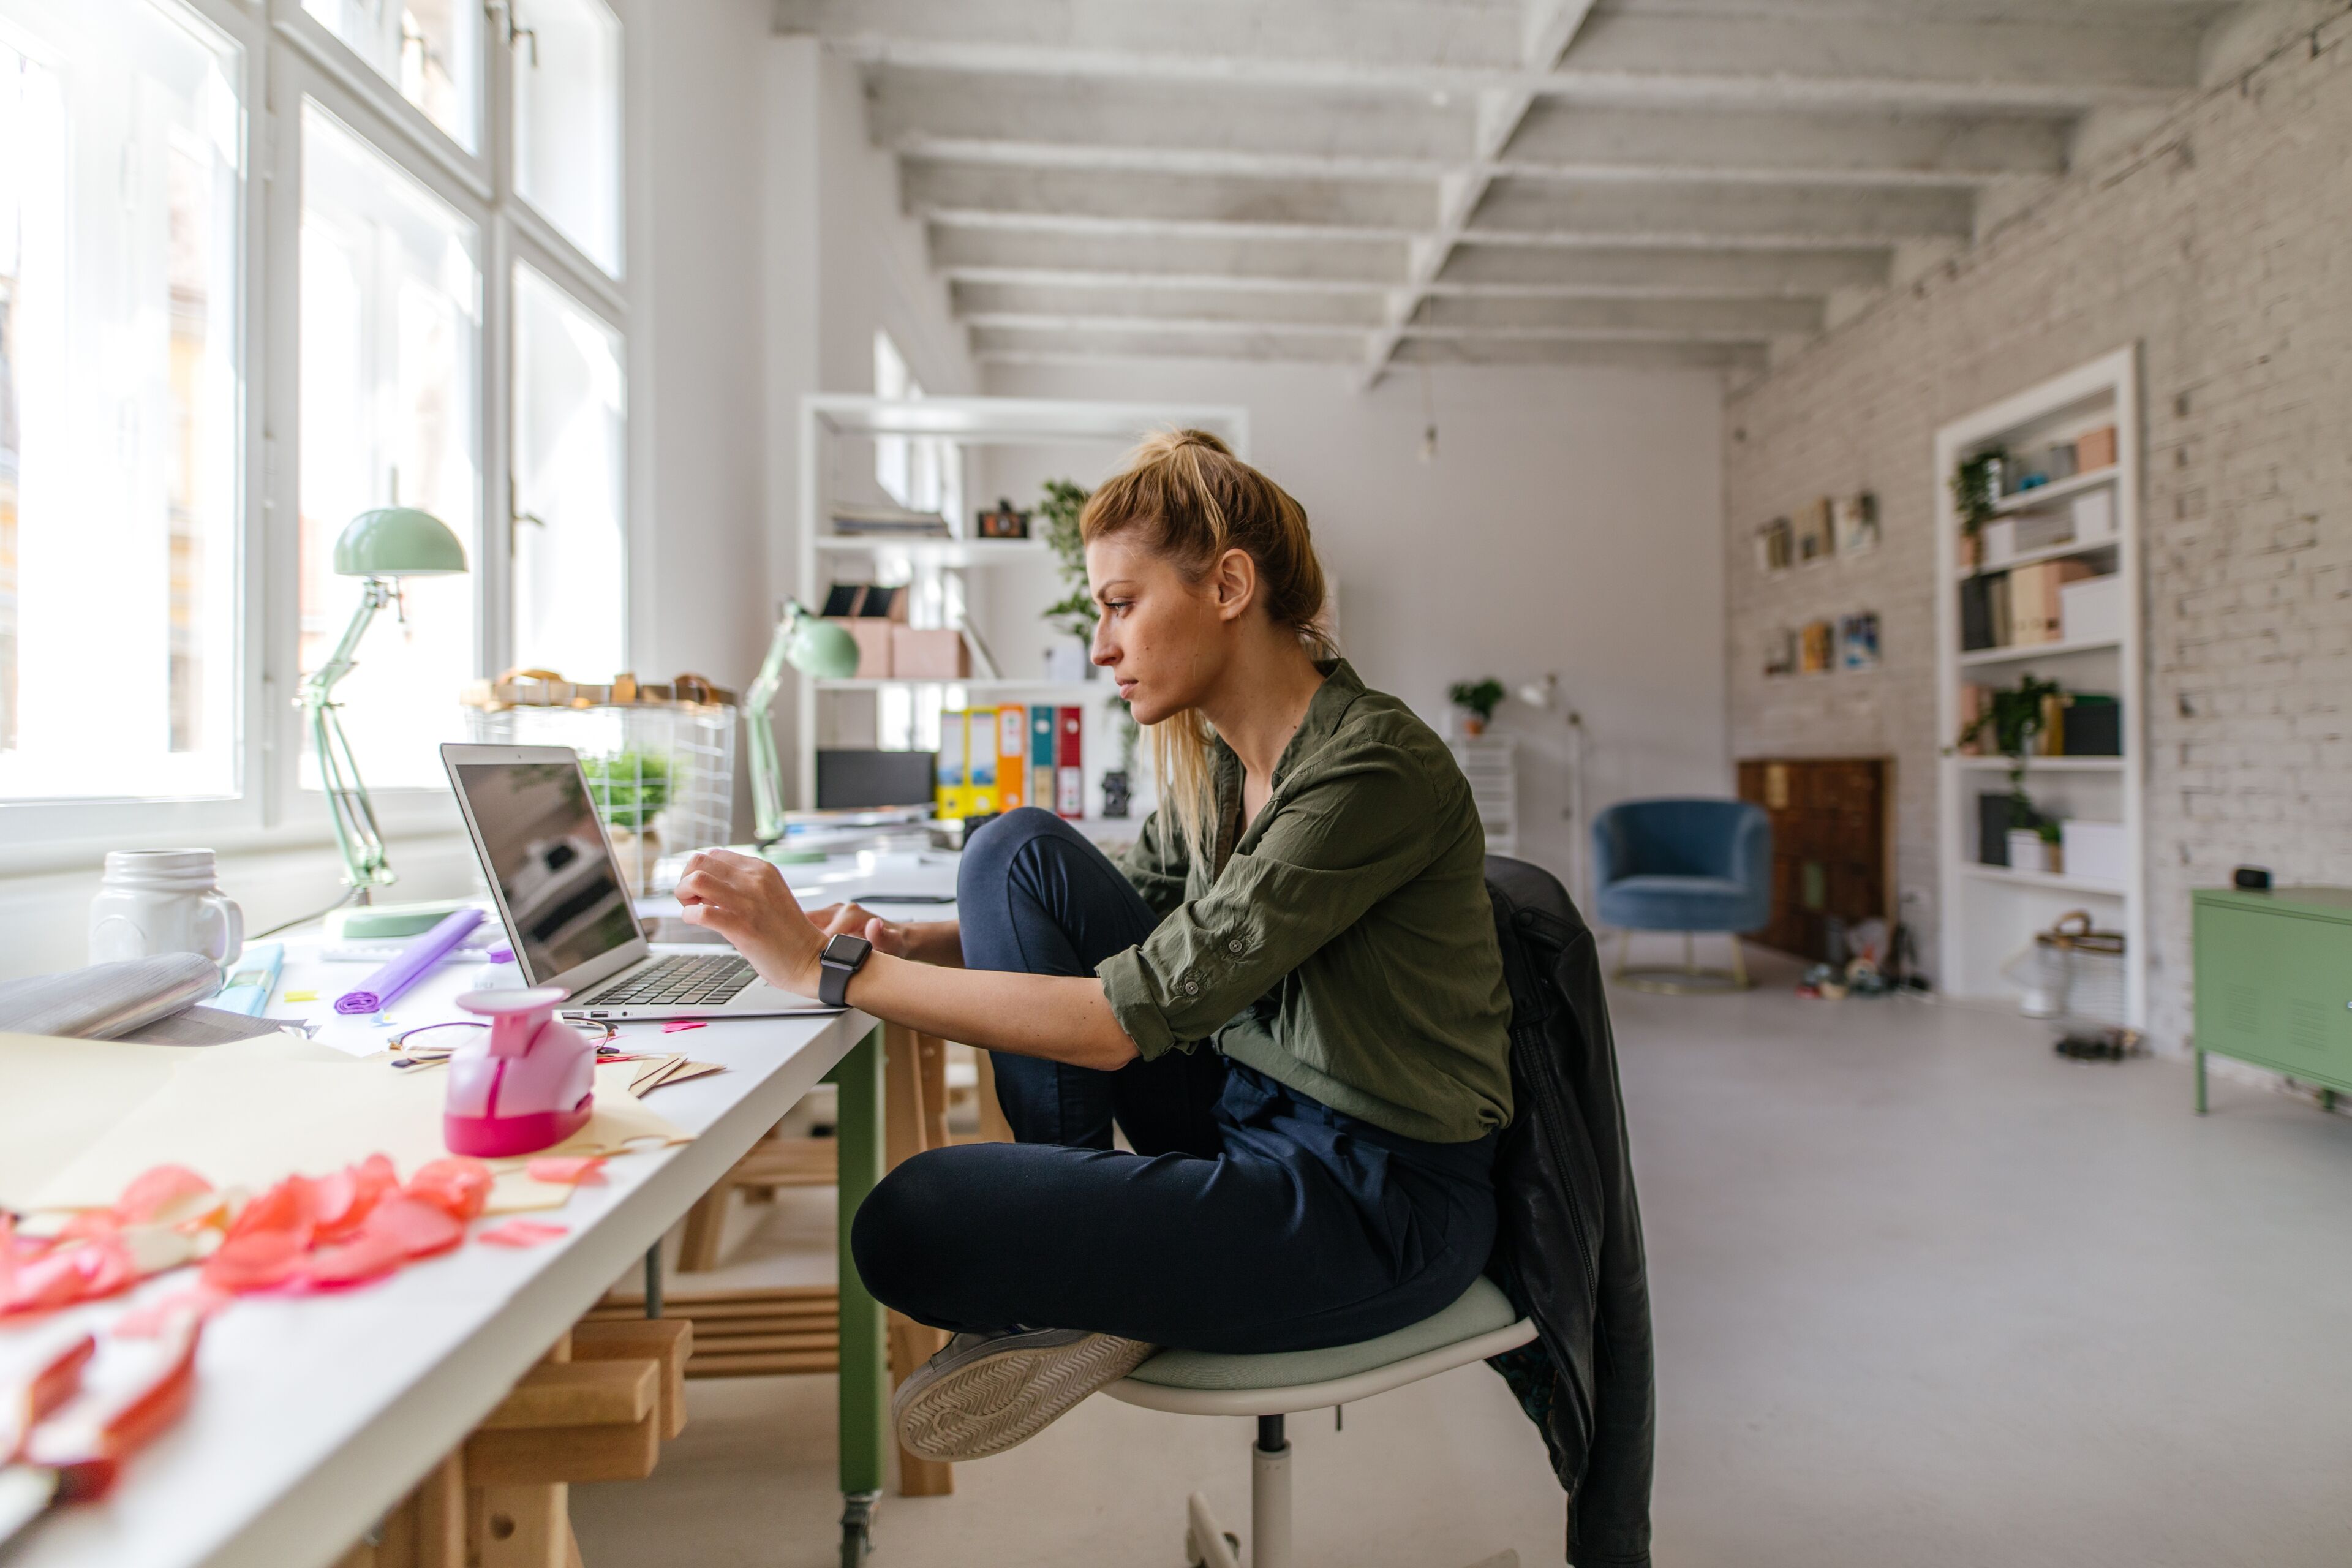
x=301, y=996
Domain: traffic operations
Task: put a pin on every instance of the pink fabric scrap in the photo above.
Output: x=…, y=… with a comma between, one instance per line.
x=521, y=1232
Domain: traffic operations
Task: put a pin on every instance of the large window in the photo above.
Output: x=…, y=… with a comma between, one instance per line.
x=204, y=376
x=391, y=330
x=569, y=554
x=119, y=192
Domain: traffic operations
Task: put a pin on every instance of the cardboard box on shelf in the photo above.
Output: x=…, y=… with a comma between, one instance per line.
x=928, y=653
x=2096, y=450
x=872, y=644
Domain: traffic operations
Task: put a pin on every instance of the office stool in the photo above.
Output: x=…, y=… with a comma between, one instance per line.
x=1194, y=1383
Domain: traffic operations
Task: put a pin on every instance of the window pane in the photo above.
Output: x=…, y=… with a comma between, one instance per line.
x=429, y=49
x=567, y=66
x=570, y=559
x=391, y=340
x=119, y=187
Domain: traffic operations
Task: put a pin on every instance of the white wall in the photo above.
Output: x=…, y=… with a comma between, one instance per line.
x=1569, y=523
x=842, y=258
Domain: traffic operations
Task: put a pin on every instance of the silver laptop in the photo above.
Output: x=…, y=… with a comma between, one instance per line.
x=566, y=909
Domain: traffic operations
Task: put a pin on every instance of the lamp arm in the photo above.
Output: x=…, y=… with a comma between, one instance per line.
x=760, y=731
x=350, y=812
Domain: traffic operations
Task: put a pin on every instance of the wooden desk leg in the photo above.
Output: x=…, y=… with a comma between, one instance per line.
x=519, y=1527
x=865, y=1373
x=914, y=1115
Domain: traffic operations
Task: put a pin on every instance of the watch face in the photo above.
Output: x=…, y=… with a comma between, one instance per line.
x=848, y=949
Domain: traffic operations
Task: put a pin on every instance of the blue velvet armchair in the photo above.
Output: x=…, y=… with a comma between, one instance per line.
x=1686, y=865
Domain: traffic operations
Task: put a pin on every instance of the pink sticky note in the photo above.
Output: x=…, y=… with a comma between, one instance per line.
x=521, y=1232
x=675, y=1024
x=569, y=1169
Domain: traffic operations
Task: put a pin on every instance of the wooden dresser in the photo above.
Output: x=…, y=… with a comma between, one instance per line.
x=1830, y=823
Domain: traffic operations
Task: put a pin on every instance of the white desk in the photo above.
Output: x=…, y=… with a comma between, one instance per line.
x=311, y=1416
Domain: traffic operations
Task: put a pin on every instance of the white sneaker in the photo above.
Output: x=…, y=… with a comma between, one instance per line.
x=986, y=1392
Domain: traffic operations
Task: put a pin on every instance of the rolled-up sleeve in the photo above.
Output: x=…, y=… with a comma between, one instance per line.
x=1355, y=834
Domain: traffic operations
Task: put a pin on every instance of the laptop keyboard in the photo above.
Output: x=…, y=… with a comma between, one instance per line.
x=686, y=980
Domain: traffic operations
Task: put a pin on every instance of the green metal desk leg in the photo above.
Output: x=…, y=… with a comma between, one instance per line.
x=2200, y=1081
x=864, y=1369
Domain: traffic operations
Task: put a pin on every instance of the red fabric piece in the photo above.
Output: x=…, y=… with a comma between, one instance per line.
x=675, y=1024
x=520, y=1233
x=421, y=1229
x=154, y=1190
x=87, y=1271
x=370, y=1254
x=257, y=1260
x=458, y=1186
x=345, y=1199
x=569, y=1169
x=287, y=1209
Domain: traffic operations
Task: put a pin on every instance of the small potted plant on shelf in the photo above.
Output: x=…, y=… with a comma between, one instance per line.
x=1477, y=700
x=1975, y=496
x=1073, y=615
x=2014, y=721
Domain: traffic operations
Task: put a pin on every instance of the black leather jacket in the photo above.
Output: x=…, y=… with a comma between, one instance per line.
x=1569, y=1249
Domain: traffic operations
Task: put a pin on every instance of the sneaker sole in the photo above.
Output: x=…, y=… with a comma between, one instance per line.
x=1001, y=1401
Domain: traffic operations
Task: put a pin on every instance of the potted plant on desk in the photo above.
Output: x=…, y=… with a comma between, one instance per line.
x=630, y=788
x=2014, y=719
x=1477, y=700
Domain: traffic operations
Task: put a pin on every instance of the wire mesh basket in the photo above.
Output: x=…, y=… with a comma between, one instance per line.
x=2071, y=971
x=661, y=760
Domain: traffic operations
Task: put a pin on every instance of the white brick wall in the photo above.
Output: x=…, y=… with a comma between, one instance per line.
x=2223, y=245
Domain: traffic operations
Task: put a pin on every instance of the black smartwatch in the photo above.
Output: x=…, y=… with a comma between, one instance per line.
x=843, y=956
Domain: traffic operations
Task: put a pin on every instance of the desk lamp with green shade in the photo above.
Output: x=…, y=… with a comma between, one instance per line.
x=379, y=547
x=815, y=647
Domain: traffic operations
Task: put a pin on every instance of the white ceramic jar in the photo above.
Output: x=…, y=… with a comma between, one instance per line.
x=162, y=900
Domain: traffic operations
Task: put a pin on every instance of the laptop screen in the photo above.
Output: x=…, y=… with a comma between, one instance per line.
x=539, y=838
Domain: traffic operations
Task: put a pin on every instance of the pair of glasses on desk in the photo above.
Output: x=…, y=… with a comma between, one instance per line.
x=430, y=1045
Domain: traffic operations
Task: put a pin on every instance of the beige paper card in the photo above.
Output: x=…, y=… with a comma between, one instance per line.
x=252, y=1124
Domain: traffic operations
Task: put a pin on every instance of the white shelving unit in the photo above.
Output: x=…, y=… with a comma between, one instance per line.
x=1990, y=912
x=973, y=425
x=1491, y=764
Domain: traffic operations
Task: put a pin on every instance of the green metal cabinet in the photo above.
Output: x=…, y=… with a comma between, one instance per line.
x=2273, y=973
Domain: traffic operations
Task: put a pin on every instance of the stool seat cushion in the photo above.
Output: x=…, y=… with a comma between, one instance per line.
x=1481, y=1310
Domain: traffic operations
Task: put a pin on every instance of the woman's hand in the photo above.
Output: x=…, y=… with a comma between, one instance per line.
x=746, y=901
x=925, y=941
x=887, y=936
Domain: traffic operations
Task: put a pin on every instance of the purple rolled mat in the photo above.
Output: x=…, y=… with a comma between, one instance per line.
x=417, y=960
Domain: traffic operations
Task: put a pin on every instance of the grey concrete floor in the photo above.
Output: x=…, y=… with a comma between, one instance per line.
x=1925, y=1295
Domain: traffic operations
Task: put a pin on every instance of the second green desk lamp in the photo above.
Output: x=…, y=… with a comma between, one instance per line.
x=815, y=647
x=379, y=547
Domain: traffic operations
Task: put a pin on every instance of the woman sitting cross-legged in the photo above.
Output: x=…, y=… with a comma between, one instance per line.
x=1288, y=995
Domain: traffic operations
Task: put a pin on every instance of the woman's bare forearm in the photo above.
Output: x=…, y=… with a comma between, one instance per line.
x=1062, y=1018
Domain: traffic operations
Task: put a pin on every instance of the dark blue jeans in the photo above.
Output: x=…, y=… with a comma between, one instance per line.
x=1250, y=1217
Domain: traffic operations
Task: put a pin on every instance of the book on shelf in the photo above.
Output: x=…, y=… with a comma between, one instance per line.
x=1069, y=757
x=886, y=521
x=1975, y=701
x=1043, y=790
x=1012, y=756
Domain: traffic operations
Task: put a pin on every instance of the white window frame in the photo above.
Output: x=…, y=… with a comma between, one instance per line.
x=286, y=57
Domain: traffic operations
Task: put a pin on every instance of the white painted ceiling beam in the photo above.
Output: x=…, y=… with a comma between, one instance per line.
x=956, y=248
x=1019, y=345
x=1748, y=270
x=1819, y=211
x=1743, y=319
x=1990, y=62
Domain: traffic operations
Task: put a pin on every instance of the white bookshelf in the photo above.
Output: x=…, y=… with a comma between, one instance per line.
x=974, y=426
x=1990, y=912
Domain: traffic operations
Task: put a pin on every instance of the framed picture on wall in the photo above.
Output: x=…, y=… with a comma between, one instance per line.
x=1858, y=641
x=1855, y=518
x=1816, y=539
x=1820, y=648
x=1776, y=546
x=1780, y=651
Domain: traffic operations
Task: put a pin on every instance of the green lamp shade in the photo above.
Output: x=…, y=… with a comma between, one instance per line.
x=398, y=541
x=820, y=648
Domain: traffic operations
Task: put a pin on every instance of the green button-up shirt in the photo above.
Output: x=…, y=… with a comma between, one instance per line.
x=1344, y=945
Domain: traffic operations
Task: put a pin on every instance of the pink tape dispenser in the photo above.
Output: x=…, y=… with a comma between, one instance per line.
x=528, y=1087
